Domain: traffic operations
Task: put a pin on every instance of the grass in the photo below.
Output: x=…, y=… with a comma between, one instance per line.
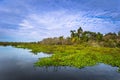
x=81, y=58
x=75, y=55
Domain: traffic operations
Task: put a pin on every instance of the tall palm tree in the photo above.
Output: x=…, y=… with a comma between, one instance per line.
x=79, y=32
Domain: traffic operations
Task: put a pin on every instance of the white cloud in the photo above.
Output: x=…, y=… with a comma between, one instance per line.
x=53, y=20
x=47, y=25
x=25, y=25
x=38, y=26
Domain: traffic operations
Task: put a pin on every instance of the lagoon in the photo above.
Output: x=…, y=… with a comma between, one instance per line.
x=18, y=64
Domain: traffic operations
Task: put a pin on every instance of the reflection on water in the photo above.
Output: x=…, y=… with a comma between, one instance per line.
x=18, y=64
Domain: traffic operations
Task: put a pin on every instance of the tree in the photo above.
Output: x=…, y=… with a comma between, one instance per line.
x=110, y=35
x=99, y=36
x=86, y=35
x=72, y=33
x=79, y=32
x=119, y=33
x=74, y=36
x=61, y=38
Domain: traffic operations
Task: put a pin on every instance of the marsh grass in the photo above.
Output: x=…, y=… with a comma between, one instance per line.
x=74, y=55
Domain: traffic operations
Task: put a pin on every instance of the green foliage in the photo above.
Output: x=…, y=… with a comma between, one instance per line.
x=73, y=55
x=119, y=33
x=83, y=48
x=80, y=56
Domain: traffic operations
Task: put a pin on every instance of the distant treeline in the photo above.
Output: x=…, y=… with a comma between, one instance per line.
x=78, y=37
x=86, y=37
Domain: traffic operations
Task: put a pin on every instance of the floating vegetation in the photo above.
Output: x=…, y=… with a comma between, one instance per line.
x=82, y=48
x=75, y=55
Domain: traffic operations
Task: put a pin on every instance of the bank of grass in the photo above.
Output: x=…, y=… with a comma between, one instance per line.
x=75, y=55
x=80, y=58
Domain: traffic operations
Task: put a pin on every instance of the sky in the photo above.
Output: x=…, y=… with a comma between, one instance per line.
x=34, y=20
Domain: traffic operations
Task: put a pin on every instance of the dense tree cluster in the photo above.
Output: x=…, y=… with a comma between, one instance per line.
x=79, y=37
x=86, y=37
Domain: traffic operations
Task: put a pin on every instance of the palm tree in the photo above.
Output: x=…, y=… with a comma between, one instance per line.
x=79, y=32
x=72, y=33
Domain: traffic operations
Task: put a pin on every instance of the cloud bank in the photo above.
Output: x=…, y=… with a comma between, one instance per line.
x=34, y=20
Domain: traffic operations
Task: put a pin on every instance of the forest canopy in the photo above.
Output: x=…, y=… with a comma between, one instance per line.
x=80, y=36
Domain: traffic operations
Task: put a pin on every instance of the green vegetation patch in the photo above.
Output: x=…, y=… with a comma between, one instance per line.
x=79, y=56
x=82, y=48
x=73, y=55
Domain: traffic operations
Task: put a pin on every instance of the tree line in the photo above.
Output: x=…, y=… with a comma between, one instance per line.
x=78, y=37
x=86, y=37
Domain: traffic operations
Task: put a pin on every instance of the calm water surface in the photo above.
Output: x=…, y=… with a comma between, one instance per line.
x=18, y=64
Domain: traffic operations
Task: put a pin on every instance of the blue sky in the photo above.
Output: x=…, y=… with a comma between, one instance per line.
x=33, y=20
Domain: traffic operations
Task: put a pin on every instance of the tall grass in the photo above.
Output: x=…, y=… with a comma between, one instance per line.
x=79, y=56
x=74, y=55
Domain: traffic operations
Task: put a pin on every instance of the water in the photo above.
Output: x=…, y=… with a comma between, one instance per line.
x=18, y=64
